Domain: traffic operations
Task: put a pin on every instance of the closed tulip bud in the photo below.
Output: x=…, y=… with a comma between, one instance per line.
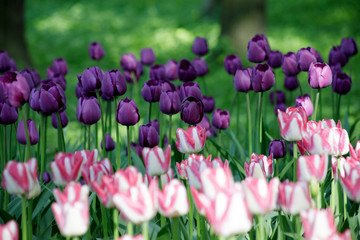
x=147, y=56
x=320, y=75
x=9, y=231
x=170, y=102
x=291, y=83
x=113, y=85
x=221, y=119
x=312, y=167
x=306, y=56
x=157, y=161
x=16, y=88
x=263, y=78
x=290, y=66
x=88, y=110
x=157, y=72
x=200, y=66
x=91, y=79
x=192, y=110
x=32, y=77
x=294, y=197
x=33, y=133
x=109, y=143
x=171, y=71
x=63, y=119
x=337, y=56
x=189, y=89
x=209, y=104
x=66, y=168
x=186, y=71
x=151, y=91
x=128, y=77
x=149, y=134
x=96, y=51
x=166, y=85
x=5, y=64
x=258, y=49
x=292, y=122
x=127, y=113
x=205, y=123
x=59, y=66
x=275, y=59
x=200, y=46
x=242, y=79
x=341, y=83
x=190, y=141
x=173, y=200
x=139, y=71
x=260, y=166
x=349, y=46
x=232, y=63
x=128, y=62
x=282, y=107
x=280, y=97
x=60, y=80
x=8, y=114
x=277, y=148
x=46, y=177
x=306, y=103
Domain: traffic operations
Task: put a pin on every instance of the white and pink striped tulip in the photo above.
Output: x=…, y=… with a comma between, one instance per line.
x=88, y=157
x=96, y=170
x=9, y=231
x=294, y=197
x=260, y=166
x=312, y=167
x=71, y=209
x=292, y=122
x=343, y=165
x=350, y=182
x=129, y=237
x=355, y=153
x=156, y=160
x=192, y=140
x=66, y=168
x=165, y=178
x=21, y=178
x=215, y=180
x=126, y=178
x=105, y=190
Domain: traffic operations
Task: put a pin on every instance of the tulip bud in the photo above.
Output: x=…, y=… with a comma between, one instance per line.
x=221, y=119
x=232, y=63
x=59, y=67
x=306, y=103
x=290, y=66
x=91, y=79
x=341, y=83
x=242, y=79
x=8, y=114
x=205, y=123
x=306, y=56
x=157, y=161
x=263, y=78
x=258, y=49
x=128, y=62
x=170, y=102
x=312, y=167
x=113, y=85
x=260, y=166
x=190, y=89
x=96, y=51
x=109, y=143
x=200, y=46
x=200, y=66
x=139, y=71
x=349, y=46
x=337, y=56
x=171, y=72
x=294, y=197
x=157, y=72
x=280, y=97
x=149, y=134
x=281, y=106
x=16, y=88
x=209, y=104
x=166, y=85
x=9, y=231
x=33, y=133
x=127, y=113
x=275, y=59
x=173, y=200
x=190, y=141
x=32, y=77
x=63, y=119
x=291, y=83
x=58, y=79
x=292, y=122
x=151, y=91
x=320, y=75
x=5, y=64
x=88, y=110
x=318, y=57
x=277, y=148
x=192, y=110
x=186, y=71
x=147, y=56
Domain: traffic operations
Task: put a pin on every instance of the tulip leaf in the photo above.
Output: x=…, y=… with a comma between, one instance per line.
x=286, y=168
x=352, y=129
x=163, y=234
x=238, y=145
x=5, y=216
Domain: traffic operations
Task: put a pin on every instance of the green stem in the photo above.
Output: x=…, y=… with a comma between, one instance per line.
x=68, y=238
x=102, y=126
x=249, y=123
x=191, y=211
x=88, y=138
x=281, y=227
x=340, y=196
x=219, y=142
x=198, y=225
x=175, y=228
x=260, y=121
x=338, y=108
x=42, y=146
x=23, y=219
x=61, y=133
x=145, y=230
x=222, y=238
x=203, y=228
x=27, y=149
x=109, y=115
x=104, y=222
x=128, y=143
x=318, y=199
x=116, y=223
x=150, y=112
x=118, y=160
x=316, y=105
x=30, y=211
x=333, y=104
x=130, y=229
x=84, y=134
x=295, y=153
x=298, y=228
x=170, y=130
x=96, y=136
x=261, y=232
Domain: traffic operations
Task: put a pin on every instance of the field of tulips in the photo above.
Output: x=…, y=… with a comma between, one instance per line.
x=181, y=170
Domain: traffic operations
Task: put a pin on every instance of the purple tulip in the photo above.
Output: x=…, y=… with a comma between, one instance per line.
x=275, y=59
x=280, y=97
x=349, y=46
x=91, y=79
x=341, y=83
x=192, y=110
x=88, y=110
x=59, y=66
x=263, y=78
x=232, y=63
x=306, y=103
x=32, y=77
x=318, y=57
x=188, y=89
x=147, y=56
x=16, y=88
x=33, y=133
x=277, y=148
x=149, y=134
x=336, y=69
x=127, y=113
x=151, y=91
x=113, y=85
x=186, y=71
x=291, y=83
x=96, y=51
x=5, y=64
x=306, y=56
x=337, y=56
x=220, y=119
x=109, y=143
x=139, y=71
x=290, y=66
x=200, y=46
x=258, y=49
x=281, y=107
x=170, y=102
x=166, y=85
x=171, y=71
x=136, y=147
x=200, y=66
x=320, y=75
x=205, y=123
x=157, y=72
x=209, y=104
x=8, y=114
x=242, y=79
x=59, y=79
x=128, y=77
x=128, y=62
x=46, y=177
x=63, y=119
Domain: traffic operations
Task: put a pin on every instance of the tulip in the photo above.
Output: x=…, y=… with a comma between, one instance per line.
x=186, y=71
x=5, y=64
x=127, y=178
x=350, y=181
x=277, y=148
x=157, y=161
x=91, y=79
x=9, y=231
x=88, y=110
x=157, y=72
x=200, y=46
x=205, y=123
x=263, y=78
x=275, y=59
x=243, y=79
x=306, y=103
x=33, y=133
x=63, y=119
x=169, y=102
x=105, y=190
x=96, y=51
x=147, y=56
x=128, y=62
x=109, y=143
x=280, y=97
x=149, y=134
x=200, y=66
x=59, y=66
x=312, y=167
x=291, y=123
x=129, y=237
x=21, y=178
x=190, y=141
x=71, y=209
x=16, y=88
x=209, y=104
x=192, y=110
x=320, y=75
x=349, y=46
x=66, y=168
x=127, y=112
x=258, y=49
x=260, y=166
x=59, y=79
x=290, y=66
x=151, y=91
x=189, y=89
x=32, y=77
x=294, y=197
x=291, y=83
x=8, y=114
x=341, y=83
x=46, y=177
x=337, y=56
x=306, y=56
x=113, y=85
x=282, y=107
x=232, y=63
x=171, y=70
x=355, y=153
x=221, y=119
x=96, y=170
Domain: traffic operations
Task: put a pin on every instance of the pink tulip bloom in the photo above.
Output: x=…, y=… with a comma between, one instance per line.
x=320, y=225
x=192, y=140
x=9, y=231
x=261, y=196
x=21, y=178
x=343, y=166
x=165, y=178
x=355, y=153
x=173, y=200
x=126, y=178
x=312, y=167
x=292, y=123
x=215, y=180
x=350, y=182
x=96, y=170
x=129, y=237
x=294, y=197
x=71, y=209
x=66, y=168
x=106, y=190
x=260, y=166
x=88, y=157
x=156, y=160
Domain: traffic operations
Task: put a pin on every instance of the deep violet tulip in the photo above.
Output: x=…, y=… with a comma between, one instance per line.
x=171, y=71
x=8, y=114
x=166, y=85
x=128, y=62
x=59, y=79
x=280, y=97
x=96, y=51
x=209, y=104
x=242, y=79
x=127, y=113
x=263, y=78
x=33, y=133
x=200, y=66
x=220, y=119
x=147, y=56
x=63, y=119
x=192, y=110
x=169, y=102
x=290, y=66
x=113, y=85
x=258, y=48
x=277, y=148
x=149, y=134
x=275, y=59
x=157, y=72
x=291, y=83
x=188, y=89
x=32, y=77
x=186, y=71
x=200, y=46
x=349, y=46
x=304, y=57
x=91, y=79
x=151, y=91
x=232, y=63
x=109, y=143
x=88, y=110
x=5, y=64
x=281, y=107
x=337, y=56
x=16, y=88
x=59, y=66
x=341, y=83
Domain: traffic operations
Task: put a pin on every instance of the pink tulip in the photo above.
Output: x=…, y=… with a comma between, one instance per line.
x=350, y=182
x=355, y=153
x=127, y=178
x=172, y=200
x=294, y=197
x=21, y=178
x=129, y=237
x=312, y=167
x=343, y=165
x=71, y=209
x=106, y=190
x=215, y=180
x=66, y=168
x=165, y=178
x=192, y=140
x=9, y=231
x=156, y=160
x=261, y=196
x=96, y=170
x=88, y=157
x=292, y=123
x=260, y=166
